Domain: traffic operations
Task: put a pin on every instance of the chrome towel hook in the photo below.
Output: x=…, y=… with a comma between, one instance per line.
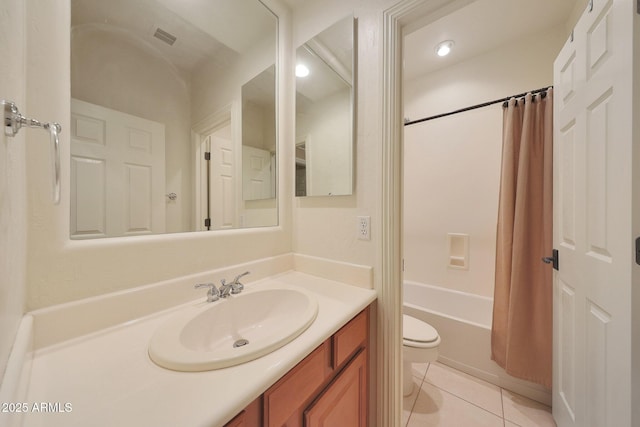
x=13, y=121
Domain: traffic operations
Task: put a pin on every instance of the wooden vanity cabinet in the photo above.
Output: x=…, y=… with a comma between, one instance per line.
x=327, y=388
x=344, y=401
x=285, y=401
x=251, y=416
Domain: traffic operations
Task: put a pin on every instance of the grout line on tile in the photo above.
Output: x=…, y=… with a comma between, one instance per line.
x=426, y=371
x=480, y=380
x=413, y=406
x=504, y=421
x=422, y=380
x=471, y=403
x=502, y=390
x=462, y=398
x=418, y=388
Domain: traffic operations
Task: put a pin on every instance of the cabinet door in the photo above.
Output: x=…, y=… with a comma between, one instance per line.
x=250, y=417
x=238, y=421
x=285, y=400
x=344, y=401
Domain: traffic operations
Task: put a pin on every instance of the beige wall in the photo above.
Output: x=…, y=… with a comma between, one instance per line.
x=576, y=13
x=60, y=270
x=326, y=128
x=13, y=204
x=452, y=164
x=257, y=126
x=326, y=226
x=212, y=91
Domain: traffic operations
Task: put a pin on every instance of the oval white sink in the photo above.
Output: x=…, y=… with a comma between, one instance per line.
x=234, y=330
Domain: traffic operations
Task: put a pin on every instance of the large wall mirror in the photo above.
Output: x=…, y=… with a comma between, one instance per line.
x=325, y=113
x=173, y=116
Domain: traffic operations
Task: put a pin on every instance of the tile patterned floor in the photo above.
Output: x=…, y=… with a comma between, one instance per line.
x=445, y=397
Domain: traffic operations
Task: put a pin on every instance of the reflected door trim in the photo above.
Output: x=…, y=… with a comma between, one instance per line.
x=230, y=114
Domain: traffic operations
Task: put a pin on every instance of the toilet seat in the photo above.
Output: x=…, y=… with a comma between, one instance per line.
x=418, y=334
x=420, y=343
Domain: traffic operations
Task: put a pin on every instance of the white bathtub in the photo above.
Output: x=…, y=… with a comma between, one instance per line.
x=463, y=322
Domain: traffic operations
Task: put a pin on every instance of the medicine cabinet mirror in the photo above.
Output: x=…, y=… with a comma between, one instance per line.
x=325, y=99
x=173, y=116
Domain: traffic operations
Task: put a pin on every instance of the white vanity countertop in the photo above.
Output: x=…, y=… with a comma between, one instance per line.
x=107, y=379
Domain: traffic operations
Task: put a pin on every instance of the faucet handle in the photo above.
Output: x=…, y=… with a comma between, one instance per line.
x=213, y=294
x=225, y=288
x=236, y=286
x=205, y=285
x=240, y=275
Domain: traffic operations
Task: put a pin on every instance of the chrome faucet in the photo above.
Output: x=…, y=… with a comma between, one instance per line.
x=213, y=294
x=226, y=289
x=236, y=286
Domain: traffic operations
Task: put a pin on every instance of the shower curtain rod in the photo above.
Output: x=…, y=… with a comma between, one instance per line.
x=473, y=107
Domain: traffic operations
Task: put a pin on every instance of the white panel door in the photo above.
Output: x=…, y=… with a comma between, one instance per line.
x=592, y=220
x=223, y=192
x=117, y=173
x=256, y=174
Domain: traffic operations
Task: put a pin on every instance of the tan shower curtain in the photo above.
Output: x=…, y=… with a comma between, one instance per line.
x=521, y=335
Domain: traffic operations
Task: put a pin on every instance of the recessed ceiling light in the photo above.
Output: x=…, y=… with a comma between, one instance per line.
x=302, y=70
x=444, y=48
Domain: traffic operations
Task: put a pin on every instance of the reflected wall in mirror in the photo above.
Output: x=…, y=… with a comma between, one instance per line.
x=157, y=121
x=325, y=99
x=259, y=149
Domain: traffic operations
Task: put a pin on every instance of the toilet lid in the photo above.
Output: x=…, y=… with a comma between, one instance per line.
x=417, y=331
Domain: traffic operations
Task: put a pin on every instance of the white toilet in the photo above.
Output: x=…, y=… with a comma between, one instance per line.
x=420, y=343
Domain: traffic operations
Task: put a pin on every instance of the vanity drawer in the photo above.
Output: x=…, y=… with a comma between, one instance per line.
x=350, y=338
x=288, y=395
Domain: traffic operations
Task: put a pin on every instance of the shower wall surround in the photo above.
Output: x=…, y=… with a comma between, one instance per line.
x=452, y=164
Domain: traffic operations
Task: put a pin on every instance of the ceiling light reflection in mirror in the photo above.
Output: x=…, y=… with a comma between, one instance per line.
x=158, y=121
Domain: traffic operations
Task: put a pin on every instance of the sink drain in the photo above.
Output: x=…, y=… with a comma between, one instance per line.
x=240, y=343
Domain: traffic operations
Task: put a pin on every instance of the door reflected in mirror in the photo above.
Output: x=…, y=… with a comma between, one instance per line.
x=164, y=99
x=259, y=150
x=325, y=96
